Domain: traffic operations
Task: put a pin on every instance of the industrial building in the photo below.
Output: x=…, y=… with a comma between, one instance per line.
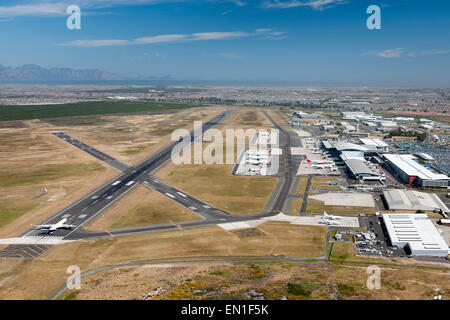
x=379, y=144
x=304, y=115
x=359, y=168
x=412, y=172
x=416, y=233
x=398, y=199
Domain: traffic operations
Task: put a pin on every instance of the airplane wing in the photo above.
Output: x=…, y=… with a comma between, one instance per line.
x=42, y=226
x=67, y=226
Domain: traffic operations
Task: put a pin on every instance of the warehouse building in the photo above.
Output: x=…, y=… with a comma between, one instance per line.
x=397, y=199
x=412, y=172
x=416, y=233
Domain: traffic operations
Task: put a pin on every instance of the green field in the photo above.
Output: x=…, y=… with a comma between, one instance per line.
x=26, y=112
x=10, y=209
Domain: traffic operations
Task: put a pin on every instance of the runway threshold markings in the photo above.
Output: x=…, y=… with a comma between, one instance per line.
x=168, y=194
x=181, y=194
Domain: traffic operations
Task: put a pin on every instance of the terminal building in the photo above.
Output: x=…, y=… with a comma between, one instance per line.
x=413, y=173
x=416, y=233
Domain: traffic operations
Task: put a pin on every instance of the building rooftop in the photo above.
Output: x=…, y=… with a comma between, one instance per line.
x=374, y=142
x=407, y=163
x=413, y=200
x=417, y=231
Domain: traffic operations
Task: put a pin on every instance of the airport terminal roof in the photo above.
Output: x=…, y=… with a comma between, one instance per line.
x=374, y=142
x=407, y=163
x=416, y=231
x=359, y=167
x=397, y=199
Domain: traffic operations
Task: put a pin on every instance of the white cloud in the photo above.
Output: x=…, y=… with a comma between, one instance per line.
x=218, y=35
x=160, y=38
x=48, y=9
x=97, y=43
x=389, y=53
x=313, y=4
x=166, y=38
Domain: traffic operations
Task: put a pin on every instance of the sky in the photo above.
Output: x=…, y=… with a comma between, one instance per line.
x=304, y=42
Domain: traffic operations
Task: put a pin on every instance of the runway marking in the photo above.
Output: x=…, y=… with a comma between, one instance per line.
x=206, y=206
x=82, y=216
x=182, y=194
x=66, y=216
x=94, y=197
x=116, y=183
x=168, y=194
x=130, y=183
x=110, y=197
x=193, y=208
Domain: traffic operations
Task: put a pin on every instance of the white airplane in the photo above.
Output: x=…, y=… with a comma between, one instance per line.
x=322, y=166
x=329, y=222
x=256, y=162
x=53, y=227
x=329, y=216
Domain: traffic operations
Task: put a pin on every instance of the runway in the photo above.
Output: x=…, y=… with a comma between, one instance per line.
x=88, y=207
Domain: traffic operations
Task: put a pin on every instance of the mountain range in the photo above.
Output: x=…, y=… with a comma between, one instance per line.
x=36, y=73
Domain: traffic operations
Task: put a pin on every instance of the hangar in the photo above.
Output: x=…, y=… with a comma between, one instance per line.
x=417, y=233
x=412, y=172
x=397, y=199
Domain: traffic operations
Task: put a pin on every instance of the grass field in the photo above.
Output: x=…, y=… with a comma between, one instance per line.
x=25, y=112
x=11, y=209
x=38, y=278
x=216, y=185
x=38, y=174
x=271, y=281
x=316, y=206
x=142, y=206
x=324, y=183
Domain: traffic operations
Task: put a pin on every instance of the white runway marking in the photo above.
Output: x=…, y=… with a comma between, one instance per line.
x=94, y=197
x=182, y=194
x=116, y=183
x=168, y=194
x=206, y=206
x=82, y=216
x=193, y=208
x=130, y=183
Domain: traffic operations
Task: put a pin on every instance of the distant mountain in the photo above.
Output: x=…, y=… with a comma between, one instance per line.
x=33, y=72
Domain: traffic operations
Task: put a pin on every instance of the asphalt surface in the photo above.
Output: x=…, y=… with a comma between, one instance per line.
x=92, y=151
x=88, y=207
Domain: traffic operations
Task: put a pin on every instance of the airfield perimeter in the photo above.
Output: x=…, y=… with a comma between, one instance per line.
x=35, y=242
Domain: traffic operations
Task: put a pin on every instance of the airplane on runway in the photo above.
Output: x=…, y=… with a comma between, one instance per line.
x=53, y=227
x=329, y=216
x=329, y=222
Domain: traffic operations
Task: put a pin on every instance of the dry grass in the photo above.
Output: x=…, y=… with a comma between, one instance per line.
x=33, y=160
x=317, y=206
x=141, y=206
x=293, y=281
x=36, y=279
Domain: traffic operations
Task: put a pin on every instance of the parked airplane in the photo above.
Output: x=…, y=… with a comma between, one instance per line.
x=322, y=166
x=329, y=222
x=53, y=227
x=329, y=216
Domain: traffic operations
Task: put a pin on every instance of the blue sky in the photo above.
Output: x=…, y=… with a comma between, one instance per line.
x=310, y=42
